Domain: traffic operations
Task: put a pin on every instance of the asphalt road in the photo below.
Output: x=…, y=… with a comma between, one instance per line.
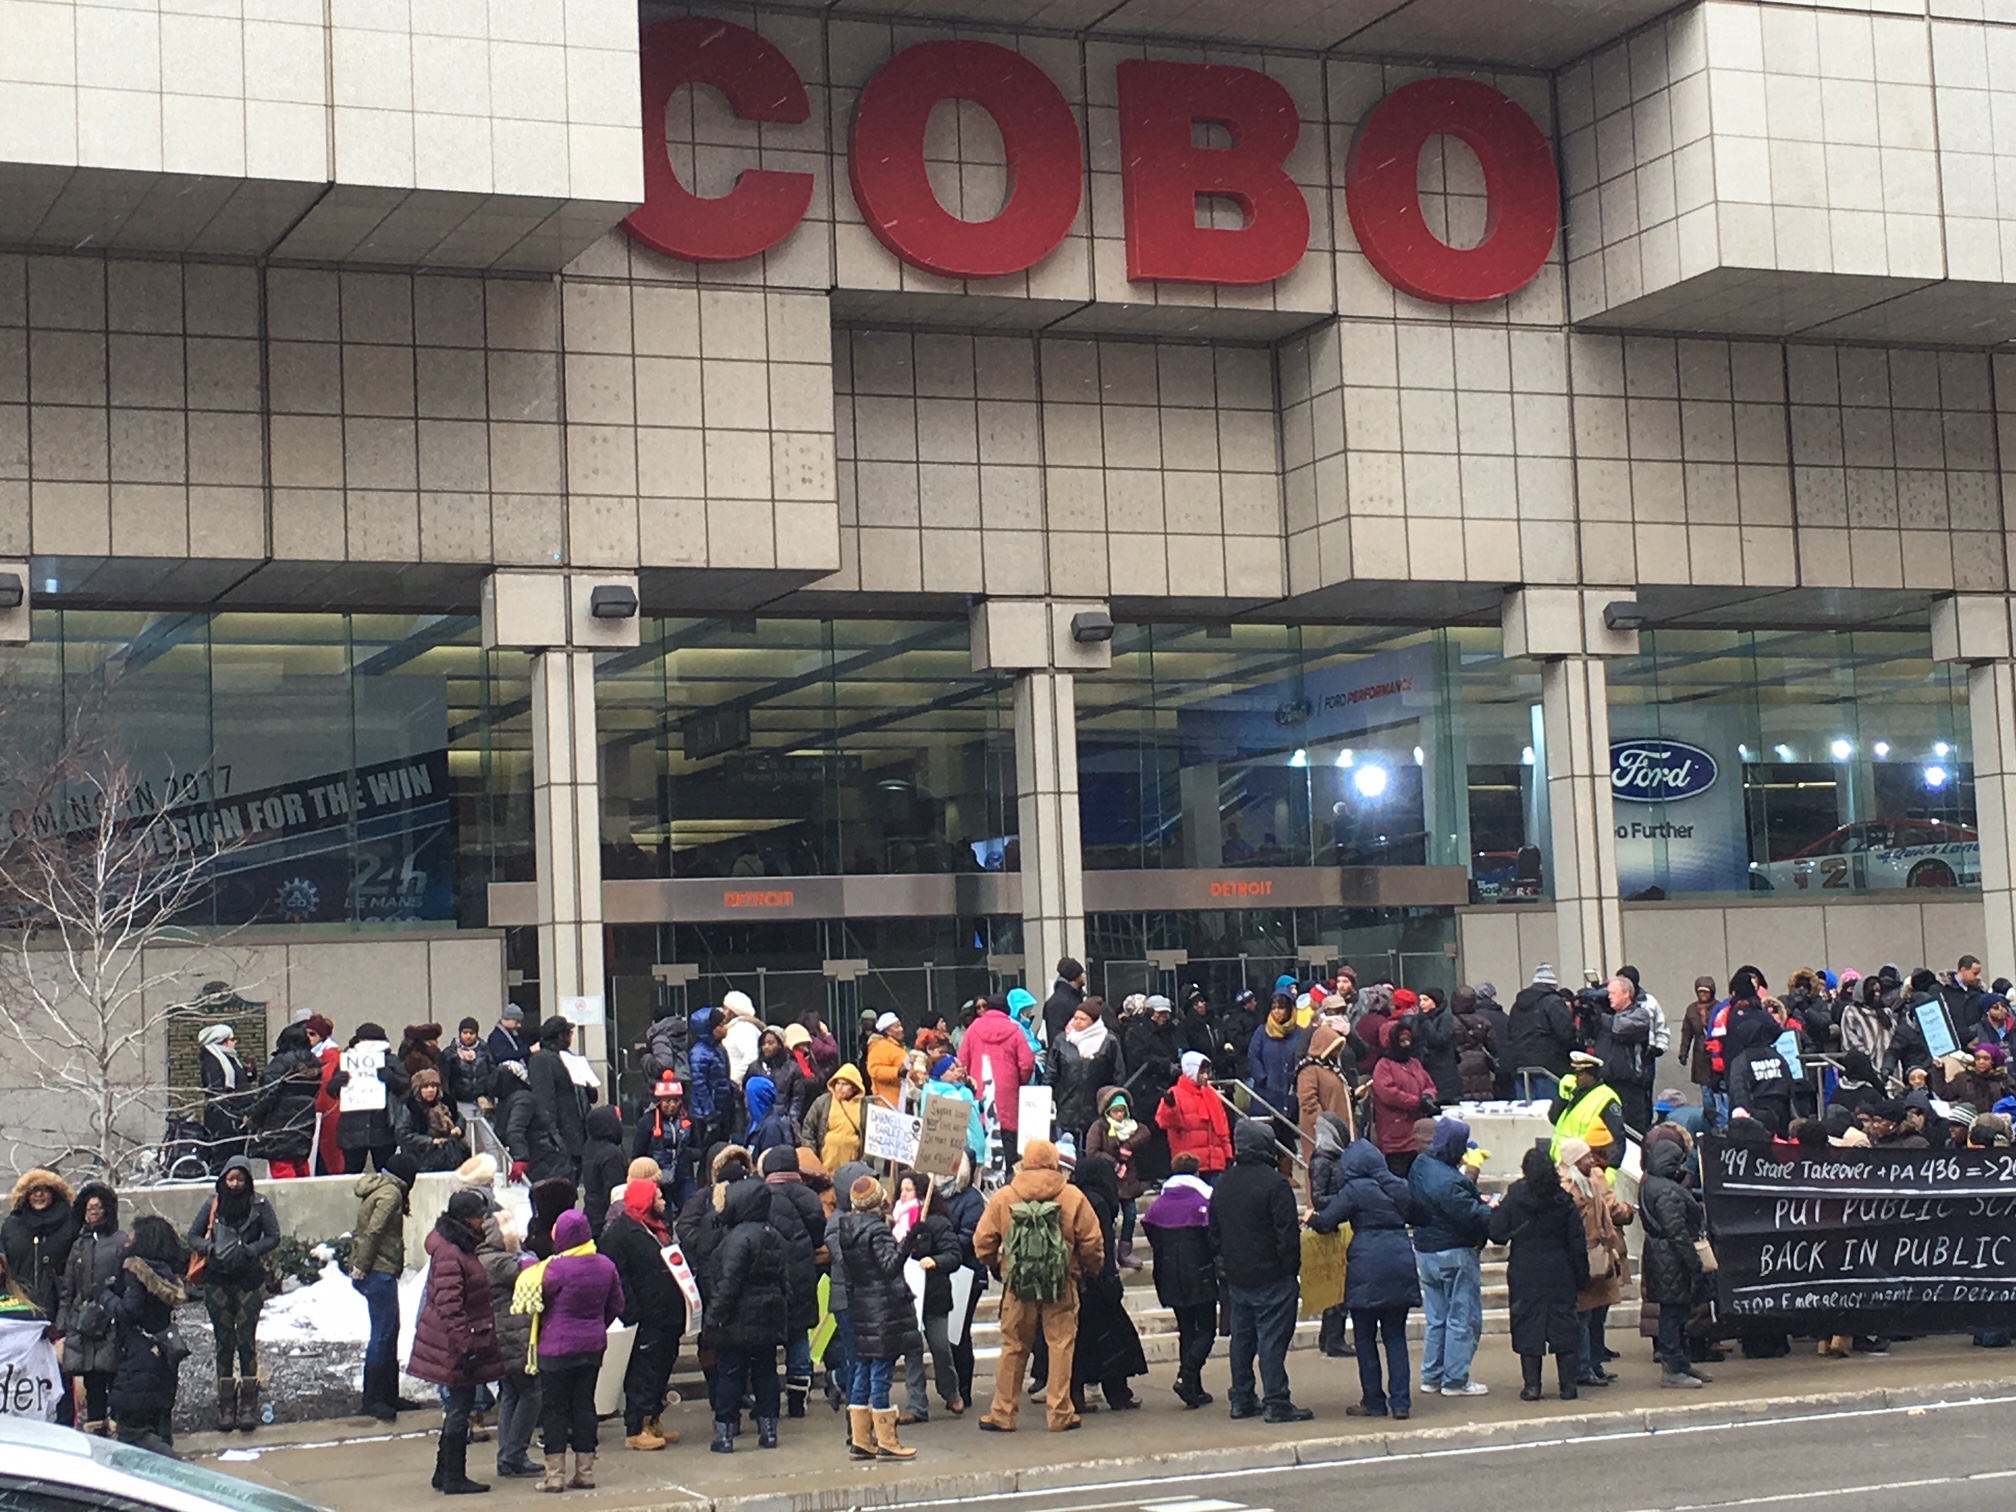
x=1955, y=1458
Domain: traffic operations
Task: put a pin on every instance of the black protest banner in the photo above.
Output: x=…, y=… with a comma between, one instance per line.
x=1863, y=1241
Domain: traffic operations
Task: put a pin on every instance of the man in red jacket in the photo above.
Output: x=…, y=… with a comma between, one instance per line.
x=999, y=1063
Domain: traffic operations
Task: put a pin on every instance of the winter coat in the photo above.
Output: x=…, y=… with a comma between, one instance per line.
x=1542, y=1031
x=1109, y=1346
x=282, y=1115
x=1153, y=1059
x=1673, y=1221
x=1076, y=1080
x=528, y=1130
x=604, y=1163
x=1435, y=1048
x=878, y=1302
x=1603, y=1217
x=1760, y=1081
x=1448, y=1214
x=1328, y=1141
x=800, y=1220
x=1271, y=1063
x=885, y=1069
x=465, y=1081
x=1101, y=1140
x=501, y=1267
x=425, y=1135
x=1548, y=1266
x=934, y=1238
x=504, y=1046
x=1178, y=1225
x=1379, y=1265
x=1694, y=1043
x=1970, y=1087
x=142, y=1304
x=37, y=1245
x=378, y=1237
x=749, y=1295
x=93, y=1265
x=1494, y=1014
x=1085, y=1250
x=372, y=1128
x=995, y=1044
x=1397, y=1089
x=794, y=1091
x=665, y=1048
x=235, y=1248
x=1476, y=1049
x=1623, y=1036
x=224, y=1103
x=1194, y=1119
x=1063, y=1002
x=565, y=1104
x=582, y=1295
x=455, y=1331
x=836, y=1128
x=649, y=1292
x=1323, y=1080
x=667, y=1143
x=710, y=1090
x=1254, y=1231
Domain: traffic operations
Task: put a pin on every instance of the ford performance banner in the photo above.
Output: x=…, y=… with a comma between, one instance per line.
x=1860, y=1241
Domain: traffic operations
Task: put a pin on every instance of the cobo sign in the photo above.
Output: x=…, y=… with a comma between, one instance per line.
x=1658, y=771
x=1163, y=169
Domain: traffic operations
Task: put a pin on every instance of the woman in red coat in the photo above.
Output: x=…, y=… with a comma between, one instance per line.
x=1192, y=1116
x=1402, y=1091
x=455, y=1337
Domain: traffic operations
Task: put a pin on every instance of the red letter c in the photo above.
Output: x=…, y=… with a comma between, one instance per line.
x=761, y=85
x=1522, y=211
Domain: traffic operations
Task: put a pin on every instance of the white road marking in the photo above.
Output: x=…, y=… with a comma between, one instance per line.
x=1195, y=1504
x=1819, y=1491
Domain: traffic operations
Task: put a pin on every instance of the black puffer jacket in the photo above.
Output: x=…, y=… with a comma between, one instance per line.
x=565, y=1103
x=1672, y=1223
x=93, y=1266
x=800, y=1220
x=1542, y=1031
x=885, y=1318
x=467, y=1080
x=282, y=1113
x=749, y=1296
x=37, y=1245
x=648, y=1288
x=604, y=1163
x=142, y=1305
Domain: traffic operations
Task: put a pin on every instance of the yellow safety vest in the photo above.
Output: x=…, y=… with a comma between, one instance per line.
x=1582, y=1116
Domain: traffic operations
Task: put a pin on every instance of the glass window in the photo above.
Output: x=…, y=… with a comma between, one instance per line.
x=782, y=747
x=1790, y=761
x=1316, y=745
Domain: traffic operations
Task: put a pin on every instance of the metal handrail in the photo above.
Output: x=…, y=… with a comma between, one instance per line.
x=1273, y=1113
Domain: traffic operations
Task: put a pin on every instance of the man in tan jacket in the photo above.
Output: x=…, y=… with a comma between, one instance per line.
x=1038, y=1179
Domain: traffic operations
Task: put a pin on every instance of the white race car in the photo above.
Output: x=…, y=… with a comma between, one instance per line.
x=1877, y=853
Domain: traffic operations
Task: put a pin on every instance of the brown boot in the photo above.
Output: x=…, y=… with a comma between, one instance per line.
x=644, y=1438
x=861, y=1433
x=583, y=1478
x=555, y=1478
x=654, y=1426
x=886, y=1446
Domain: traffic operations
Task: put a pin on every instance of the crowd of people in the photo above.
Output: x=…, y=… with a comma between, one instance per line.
x=1233, y=1141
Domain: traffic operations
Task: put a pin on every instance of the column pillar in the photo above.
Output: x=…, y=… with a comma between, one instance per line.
x=1975, y=629
x=1046, y=643
x=565, y=620
x=1565, y=630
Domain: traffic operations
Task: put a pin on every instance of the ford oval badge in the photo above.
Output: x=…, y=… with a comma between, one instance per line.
x=1659, y=771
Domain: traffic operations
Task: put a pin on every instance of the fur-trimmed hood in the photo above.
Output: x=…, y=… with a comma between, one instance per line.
x=165, y=1289
x=38, y=1177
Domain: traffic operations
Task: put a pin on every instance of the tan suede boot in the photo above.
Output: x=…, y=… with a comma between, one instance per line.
x=861, y=1428
x=886, y=1446
x=584, y=1473
x=555, y=1478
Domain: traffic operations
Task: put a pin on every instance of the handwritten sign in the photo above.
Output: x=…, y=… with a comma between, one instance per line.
x=941, y=1135
x=891, y=1135
x=1863, y=1241
x=1938, y=1031
x=1037, y=1114
x=363, y=1092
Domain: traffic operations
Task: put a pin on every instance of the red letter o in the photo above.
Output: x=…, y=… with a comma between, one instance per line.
x=1522, y=211
x=1040, y=137
x=761, y=85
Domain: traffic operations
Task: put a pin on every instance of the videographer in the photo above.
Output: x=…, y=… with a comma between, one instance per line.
x=1623, y=1031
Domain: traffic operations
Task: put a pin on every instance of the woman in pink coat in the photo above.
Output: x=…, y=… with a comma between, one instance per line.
x=1402, y=1091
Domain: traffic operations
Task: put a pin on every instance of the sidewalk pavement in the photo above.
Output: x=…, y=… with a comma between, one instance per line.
x=344, y=1465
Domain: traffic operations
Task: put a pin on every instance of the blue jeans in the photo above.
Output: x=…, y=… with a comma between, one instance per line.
x=1263, y=1321
x=868, y=1385
x=840, y=1349
x=1714, y=1109
x=798, y=1357
x=1592, y=1323
x=381, y=1298
x=1368, y=1325
x=1452, y=1304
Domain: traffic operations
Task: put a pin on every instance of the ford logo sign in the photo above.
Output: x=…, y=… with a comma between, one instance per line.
x=1659, y=771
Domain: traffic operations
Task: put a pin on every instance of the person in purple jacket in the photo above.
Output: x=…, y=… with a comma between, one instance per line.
x=581, y=1296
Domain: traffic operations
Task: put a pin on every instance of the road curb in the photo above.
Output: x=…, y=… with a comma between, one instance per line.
x=1341, y=1449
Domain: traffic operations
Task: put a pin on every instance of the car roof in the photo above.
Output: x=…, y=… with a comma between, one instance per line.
x=64, y=1458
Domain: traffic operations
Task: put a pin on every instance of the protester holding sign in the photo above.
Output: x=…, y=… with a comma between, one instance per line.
x=368, y=1085
x=634, y=1239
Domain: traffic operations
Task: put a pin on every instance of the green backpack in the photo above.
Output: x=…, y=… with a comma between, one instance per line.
x=1034, y=1263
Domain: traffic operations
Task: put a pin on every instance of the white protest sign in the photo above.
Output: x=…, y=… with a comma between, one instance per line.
x=363, y=1092
x=580, y=1070
x=962, y=1296
x=31, y=1385
x=891, y=1135
x=1037, y=1114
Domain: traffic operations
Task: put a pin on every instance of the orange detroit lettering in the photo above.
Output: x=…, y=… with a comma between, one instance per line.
x=1242, y=889
x=778, y=899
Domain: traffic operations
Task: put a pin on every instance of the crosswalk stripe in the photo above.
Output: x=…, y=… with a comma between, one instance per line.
x=1196, y=1504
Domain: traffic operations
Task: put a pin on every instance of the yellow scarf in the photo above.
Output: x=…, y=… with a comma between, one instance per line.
x=1278, y=1031
x=528, y=1295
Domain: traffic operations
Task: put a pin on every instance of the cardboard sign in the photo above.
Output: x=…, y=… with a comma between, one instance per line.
x=1038, y=1112
x=941, y=1136
x=363, y=1092
x=890, y=1136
